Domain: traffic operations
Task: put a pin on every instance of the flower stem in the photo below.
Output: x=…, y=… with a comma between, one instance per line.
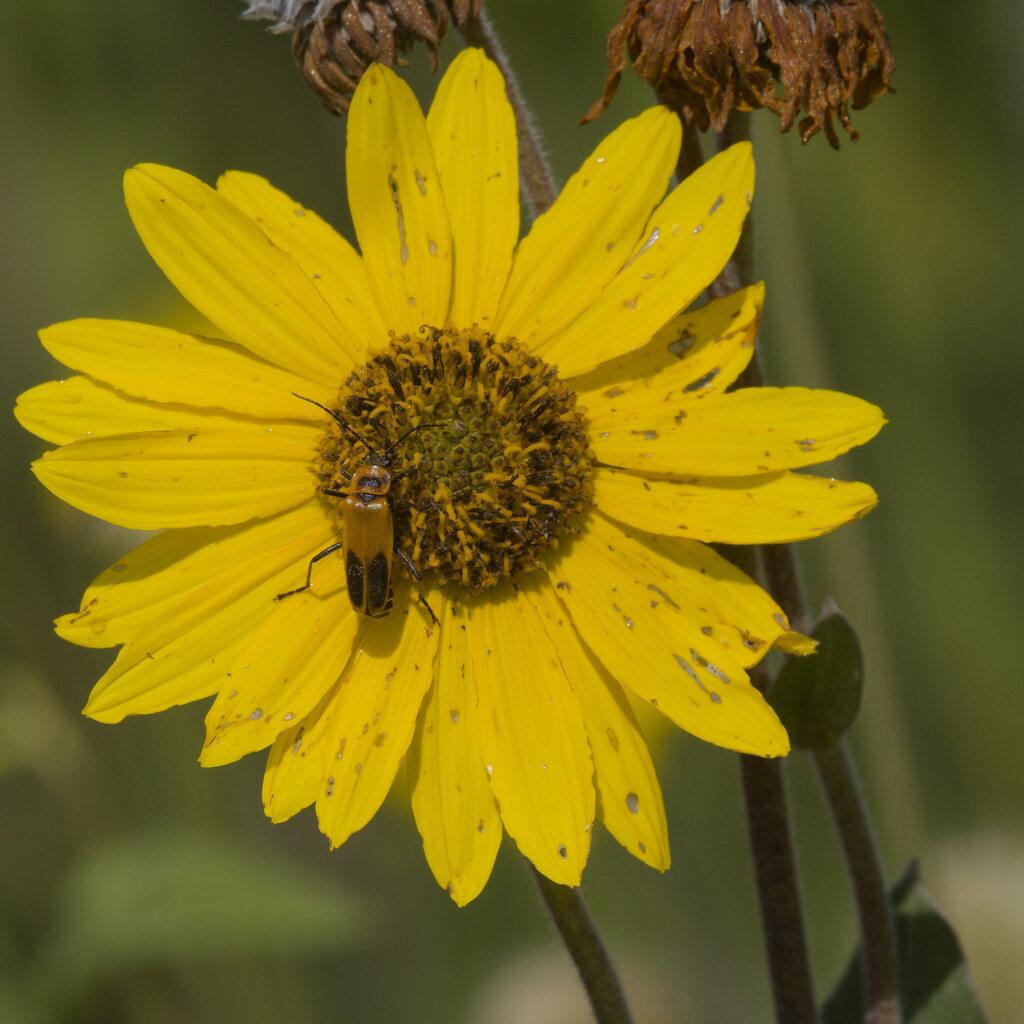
x=782, y=571
x=588, y=953
x=835, y=766
x=775, y=870
x=838, y=775
x=878, y=932
x=764, y=790
x=534, y=171
x=842, y=789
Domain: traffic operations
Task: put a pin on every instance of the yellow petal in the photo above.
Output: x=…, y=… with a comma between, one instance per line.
x=696, y=353
x=683, y=247
x=231, y=272
x=737, y=615
x=149, y=671
x=397, y=205
x=327, y=259
x=639, y=613
x=737, y=619
x=796, y=643
x=49, y=410
x=179, y=674
x=200, y=634
x=451, y=795
x=294, y=658
x=473, y=133
x=295, y=764
x=531, y=730
x=374, y=716
x=167, y=366
x=742, y=433
x=578, y=246
x=179, y=478
x=62, y=411
x=773, y=508
x=628, y=794
x=190, y=570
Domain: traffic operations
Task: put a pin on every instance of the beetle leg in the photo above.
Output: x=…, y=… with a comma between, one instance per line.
x=429, y=507
x=430, y=611
x=309, y=571
x=408, y=564
x=416, y=576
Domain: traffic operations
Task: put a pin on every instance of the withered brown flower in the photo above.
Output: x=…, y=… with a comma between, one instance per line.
x=706, y=58
x=335, y=42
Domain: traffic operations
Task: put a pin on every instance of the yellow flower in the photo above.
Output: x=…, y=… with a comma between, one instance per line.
x=557, y=516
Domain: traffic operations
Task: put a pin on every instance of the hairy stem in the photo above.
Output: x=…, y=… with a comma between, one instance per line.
x=534, y=171
x=789, y=961
x=588, y=953
x=878, y=931
x=764, y=791
x=835, y=766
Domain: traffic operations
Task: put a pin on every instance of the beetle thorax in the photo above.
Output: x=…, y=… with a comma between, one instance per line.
x=370, y=479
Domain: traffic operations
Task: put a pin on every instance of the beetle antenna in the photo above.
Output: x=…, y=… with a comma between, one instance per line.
x=390, y=446
x=412, y=430
x=337, y=419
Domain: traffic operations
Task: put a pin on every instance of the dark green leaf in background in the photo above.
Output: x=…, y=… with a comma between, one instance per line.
x=160, y=898
x=935, y=983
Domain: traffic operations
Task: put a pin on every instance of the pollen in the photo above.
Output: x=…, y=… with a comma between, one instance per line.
x=487, y=449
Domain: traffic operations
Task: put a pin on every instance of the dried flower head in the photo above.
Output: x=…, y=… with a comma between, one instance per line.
x=335, y=41
x=708, y=57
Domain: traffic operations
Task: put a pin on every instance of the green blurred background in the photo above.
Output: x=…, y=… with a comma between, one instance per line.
x=135, y=886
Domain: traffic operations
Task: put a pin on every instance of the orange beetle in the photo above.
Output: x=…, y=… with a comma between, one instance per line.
x=368, y=528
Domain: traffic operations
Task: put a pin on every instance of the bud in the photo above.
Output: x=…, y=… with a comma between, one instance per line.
x=335, y=41
x=706, y=58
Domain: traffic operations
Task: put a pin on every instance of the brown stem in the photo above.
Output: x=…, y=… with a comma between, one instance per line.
x=763, y=785
x=595, y=967
x=836, y=768
x=739, y=271
x=775, y=871
x=782, y=571
x=534, y=170
x=691, y=154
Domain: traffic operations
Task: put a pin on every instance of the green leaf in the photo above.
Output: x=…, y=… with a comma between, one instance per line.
x=935, y=984
x=818, y=698
x=167, y=898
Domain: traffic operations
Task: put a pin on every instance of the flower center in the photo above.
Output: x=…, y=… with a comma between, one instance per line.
x=488, y=455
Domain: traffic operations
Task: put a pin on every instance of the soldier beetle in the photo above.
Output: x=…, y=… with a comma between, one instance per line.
x=368, y=530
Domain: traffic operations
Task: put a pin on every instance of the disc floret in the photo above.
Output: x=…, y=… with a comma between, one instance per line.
x=487, y=448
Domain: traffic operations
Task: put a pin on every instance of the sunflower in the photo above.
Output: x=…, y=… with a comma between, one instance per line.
x=555, y=444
